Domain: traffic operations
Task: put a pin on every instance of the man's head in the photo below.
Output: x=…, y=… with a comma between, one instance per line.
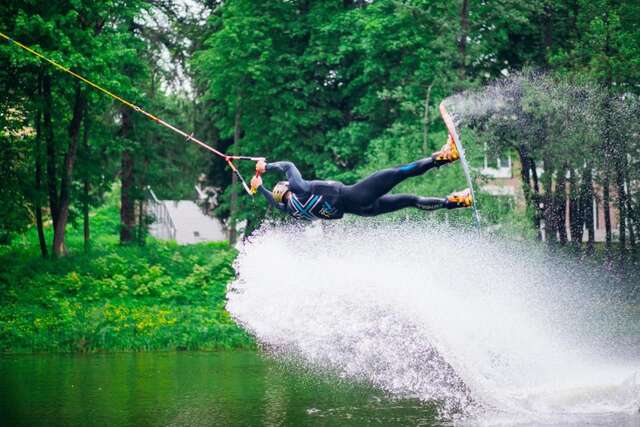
x=280, y=190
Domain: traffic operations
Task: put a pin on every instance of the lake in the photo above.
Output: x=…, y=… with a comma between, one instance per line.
x=188, y=388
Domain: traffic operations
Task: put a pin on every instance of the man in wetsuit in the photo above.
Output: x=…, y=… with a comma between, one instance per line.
x=311, y=200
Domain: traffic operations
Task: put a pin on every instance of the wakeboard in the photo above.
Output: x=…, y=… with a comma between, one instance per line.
x=451, y=127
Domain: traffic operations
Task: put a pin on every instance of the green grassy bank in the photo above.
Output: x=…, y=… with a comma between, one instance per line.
x=116, y=298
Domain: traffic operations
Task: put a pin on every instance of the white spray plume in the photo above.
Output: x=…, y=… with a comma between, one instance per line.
x=497, y=332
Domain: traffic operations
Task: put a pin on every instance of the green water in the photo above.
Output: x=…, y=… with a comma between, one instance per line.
x=188, y=389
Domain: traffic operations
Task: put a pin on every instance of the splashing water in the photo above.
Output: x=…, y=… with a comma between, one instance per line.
x=497, y=332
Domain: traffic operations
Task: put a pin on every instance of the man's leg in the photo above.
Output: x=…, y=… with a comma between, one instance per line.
x=368, y=190
x=371, y=188
x=394, y=202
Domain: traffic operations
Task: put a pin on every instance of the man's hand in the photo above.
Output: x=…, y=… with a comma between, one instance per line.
x=256, y=182
x=261, y=166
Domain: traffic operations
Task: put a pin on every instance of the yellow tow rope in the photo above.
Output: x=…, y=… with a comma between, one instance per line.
x=189, y=137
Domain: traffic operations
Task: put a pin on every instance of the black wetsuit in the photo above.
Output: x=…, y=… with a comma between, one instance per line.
x=312, y=200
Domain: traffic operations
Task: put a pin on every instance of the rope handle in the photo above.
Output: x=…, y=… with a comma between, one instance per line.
x=249, y=189
x=257, y=175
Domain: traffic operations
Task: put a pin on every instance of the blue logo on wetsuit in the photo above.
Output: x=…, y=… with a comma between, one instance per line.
x=314, y=208
x=408, y=168
x=304, y=211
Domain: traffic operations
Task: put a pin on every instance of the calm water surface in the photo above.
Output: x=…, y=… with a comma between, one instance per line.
x=190, y=389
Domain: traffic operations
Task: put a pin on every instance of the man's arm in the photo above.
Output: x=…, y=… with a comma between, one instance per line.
x=296, y=182
x=267, y=195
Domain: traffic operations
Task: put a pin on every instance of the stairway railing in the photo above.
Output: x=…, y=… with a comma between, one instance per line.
x=167, y=229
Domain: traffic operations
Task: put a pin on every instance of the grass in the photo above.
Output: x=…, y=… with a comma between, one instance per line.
x=160, y=296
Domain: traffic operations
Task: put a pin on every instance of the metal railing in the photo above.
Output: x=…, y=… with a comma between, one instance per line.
x=163, y=223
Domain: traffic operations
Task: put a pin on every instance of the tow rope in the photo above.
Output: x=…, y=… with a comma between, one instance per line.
x=188, y=137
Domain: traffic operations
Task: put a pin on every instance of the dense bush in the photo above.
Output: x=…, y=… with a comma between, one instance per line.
x=160, y=296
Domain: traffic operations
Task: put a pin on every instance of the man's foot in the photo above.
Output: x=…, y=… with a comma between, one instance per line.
x=460, y=199
x=448, y=153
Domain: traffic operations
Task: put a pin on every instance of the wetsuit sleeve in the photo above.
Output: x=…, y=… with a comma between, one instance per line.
x=267, y=195
x=296, y=183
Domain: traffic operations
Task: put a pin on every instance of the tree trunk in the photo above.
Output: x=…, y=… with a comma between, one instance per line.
x=426, y=122
x=622, y=217
x=575, y=14
x=550, y=226
x=525, y=175
x=141, y=223
x=548, y=30
x=233, y=211
x=464, y=33
x=550, y=203
x=632, y=232
x=127, y=205
x=621, y=168
x=606, y=198
x=607, y=137
x=37, y=155
x=52, y=184
x=561, y=205
x=86, y=186
x=536, y=198
x=586, y=202
x=576, y=217
x=525, y=172
x=67, y=176
x=631, y=216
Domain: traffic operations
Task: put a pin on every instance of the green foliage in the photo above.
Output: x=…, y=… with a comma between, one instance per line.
x=15, y=152
x=117, y=45
x=161, y=296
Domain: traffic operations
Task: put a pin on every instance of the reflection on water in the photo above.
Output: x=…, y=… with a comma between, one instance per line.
x=195, y=389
